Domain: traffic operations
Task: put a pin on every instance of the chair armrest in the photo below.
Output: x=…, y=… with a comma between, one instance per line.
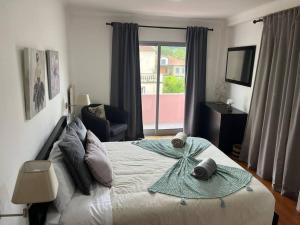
x=99, y=127
x=116, y=115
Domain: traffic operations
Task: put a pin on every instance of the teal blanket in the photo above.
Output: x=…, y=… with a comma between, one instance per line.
x=178, y=181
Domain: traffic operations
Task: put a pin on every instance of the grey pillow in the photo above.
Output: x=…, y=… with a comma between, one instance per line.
x=66, y=186
x=73, y=152
x=91, y=138
x=79, y=127
x=99, y=111
x=97, y=161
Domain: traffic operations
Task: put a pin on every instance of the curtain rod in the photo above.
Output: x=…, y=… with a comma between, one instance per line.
x=258, y=20
x=162, y=27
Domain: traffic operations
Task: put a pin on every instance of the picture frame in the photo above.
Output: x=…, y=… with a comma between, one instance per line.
x=34, y=81
x=53, y=73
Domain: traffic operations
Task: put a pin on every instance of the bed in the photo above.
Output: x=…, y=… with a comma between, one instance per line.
x=128, y=202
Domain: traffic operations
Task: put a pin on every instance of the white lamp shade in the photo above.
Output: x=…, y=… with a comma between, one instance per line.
x=83, y=100
x=36, y=183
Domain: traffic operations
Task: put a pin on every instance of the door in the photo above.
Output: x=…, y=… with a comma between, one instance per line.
x=162, y=86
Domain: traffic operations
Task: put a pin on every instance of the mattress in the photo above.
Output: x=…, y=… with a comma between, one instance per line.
x=129, y=203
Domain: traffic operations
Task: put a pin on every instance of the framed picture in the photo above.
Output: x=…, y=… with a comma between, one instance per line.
x=34, y=81
x=53, y=73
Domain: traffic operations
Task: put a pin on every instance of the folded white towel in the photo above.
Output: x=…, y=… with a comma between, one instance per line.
x=179, y=140
x=205, y=169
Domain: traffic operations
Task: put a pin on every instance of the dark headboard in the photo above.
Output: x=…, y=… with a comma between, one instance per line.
x=38, y=211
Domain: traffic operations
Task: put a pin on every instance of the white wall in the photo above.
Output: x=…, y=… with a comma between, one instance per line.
x=90, y=48
x=37, y=24
x=241, y=35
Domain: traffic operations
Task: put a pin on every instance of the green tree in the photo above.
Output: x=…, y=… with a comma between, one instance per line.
x=176, y=52
x=173, y=84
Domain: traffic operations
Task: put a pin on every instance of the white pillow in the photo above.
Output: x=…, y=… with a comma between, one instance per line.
x=66, y=186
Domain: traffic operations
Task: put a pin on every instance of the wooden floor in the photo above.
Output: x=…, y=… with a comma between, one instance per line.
x=284, y=207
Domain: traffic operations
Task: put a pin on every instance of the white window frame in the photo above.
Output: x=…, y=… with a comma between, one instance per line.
x=156, y=130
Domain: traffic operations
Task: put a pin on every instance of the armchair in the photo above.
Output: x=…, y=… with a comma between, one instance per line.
x=112, y=129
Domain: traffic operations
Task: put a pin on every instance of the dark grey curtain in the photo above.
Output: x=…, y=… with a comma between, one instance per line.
x=195, y=65
x=272, y=137
x=125, y=76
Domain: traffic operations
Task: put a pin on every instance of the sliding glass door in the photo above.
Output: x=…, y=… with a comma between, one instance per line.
x=163, y=86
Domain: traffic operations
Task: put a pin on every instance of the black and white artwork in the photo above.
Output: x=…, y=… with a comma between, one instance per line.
x=53, y=73
x=34, y=81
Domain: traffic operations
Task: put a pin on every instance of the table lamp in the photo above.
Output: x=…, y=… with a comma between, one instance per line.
x=229, y=104
x=83, y=100
x=36, y=183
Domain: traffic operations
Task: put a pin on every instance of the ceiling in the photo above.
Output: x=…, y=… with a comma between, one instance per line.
x=174, y=8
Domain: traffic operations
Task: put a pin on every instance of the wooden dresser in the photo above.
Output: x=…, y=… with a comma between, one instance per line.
x=220, y=126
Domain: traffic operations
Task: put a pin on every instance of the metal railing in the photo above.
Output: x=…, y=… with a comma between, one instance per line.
x=148, y=77
x=151, y=77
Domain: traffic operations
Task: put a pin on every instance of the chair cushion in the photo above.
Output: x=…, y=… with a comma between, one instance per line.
x=117, y=128
x=99, y=111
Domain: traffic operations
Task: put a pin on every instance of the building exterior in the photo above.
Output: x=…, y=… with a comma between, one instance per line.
x=169, y=66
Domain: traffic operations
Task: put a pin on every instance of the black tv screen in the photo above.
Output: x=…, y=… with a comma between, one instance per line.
x=239, y=65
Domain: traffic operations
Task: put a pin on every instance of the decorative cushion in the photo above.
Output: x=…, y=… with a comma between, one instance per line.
x=99, y=111
x=79, y=127
x=91, y=138
x=73, y=152
x=97, y=160
x=66, y=186
x=116, y=128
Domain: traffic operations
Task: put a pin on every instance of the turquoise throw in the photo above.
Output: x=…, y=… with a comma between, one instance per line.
x=178, y=181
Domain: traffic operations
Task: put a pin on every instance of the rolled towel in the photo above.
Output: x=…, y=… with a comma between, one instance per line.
x=205, y=169
x=179, y=140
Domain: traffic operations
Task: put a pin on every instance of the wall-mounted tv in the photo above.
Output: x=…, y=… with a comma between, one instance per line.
x=239, y=65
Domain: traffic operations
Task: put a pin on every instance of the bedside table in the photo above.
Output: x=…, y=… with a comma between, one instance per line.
x=221, y=126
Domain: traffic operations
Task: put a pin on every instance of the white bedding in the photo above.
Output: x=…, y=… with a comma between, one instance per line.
x=129, y=203
x=93, y=209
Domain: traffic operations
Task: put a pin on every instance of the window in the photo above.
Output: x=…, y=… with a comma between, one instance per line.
x=163, y=80
x=163, y=61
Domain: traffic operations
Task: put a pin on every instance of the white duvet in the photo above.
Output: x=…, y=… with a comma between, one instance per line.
x=129, y=203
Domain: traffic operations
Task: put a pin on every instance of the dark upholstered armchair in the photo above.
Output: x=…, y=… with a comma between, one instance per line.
x=112, y=129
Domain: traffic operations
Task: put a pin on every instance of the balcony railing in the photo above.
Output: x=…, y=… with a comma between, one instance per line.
x=148, y=77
